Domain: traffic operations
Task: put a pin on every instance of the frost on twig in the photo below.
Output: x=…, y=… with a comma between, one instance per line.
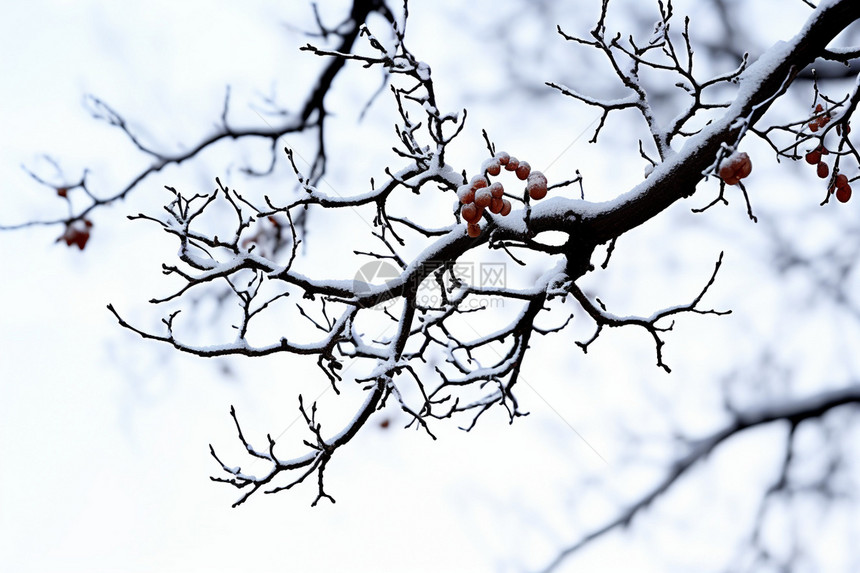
x=309, y=117
x=424, y=361
x=627, y=57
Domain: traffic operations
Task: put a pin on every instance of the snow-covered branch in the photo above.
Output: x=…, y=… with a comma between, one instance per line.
x=480, y=370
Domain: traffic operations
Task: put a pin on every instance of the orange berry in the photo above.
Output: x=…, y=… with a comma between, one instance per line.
x=483, y=197
x=823, y=170
x=506, y=208
x=496, y=189
x=466, y=194
x=523, y=170
x=474, y=230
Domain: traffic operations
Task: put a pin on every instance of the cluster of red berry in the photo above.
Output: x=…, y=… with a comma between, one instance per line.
x=480, y=194
x=819, y=122
x=735, y=167
x=77, y=233
x=814, y=157
x=841, y=187
x=840, y=183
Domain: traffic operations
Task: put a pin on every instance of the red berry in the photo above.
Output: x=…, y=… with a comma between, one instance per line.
x=843, y=194
x=493, y=167
x=537, y=192
x=497, y=205
x=538, y=178
x=813, y=157
x=823, y=170
x=76, y=234
x=503, y=157
x=496, y=189
x=80, y=239
x=62, y=191
x=478, y=181
x=512, y=164
x=841, y=180
x=735, y=167
x=466, y=194
x=813, y=126
x=523, y=170
x=474, y=230
x=483, y=197
x=471, y=213
x=727, y=174
x=744, y=166
x=536, y=185
x=506, y=208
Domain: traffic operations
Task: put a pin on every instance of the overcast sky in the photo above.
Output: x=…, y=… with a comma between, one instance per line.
x=104, y=462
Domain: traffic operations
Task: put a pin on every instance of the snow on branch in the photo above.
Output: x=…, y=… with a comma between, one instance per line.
x=680, y=168
x=310, y=117
x=474, y=373
x=252, y=264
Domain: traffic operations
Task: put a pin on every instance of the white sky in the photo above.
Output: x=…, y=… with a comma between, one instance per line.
x=104, y=439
